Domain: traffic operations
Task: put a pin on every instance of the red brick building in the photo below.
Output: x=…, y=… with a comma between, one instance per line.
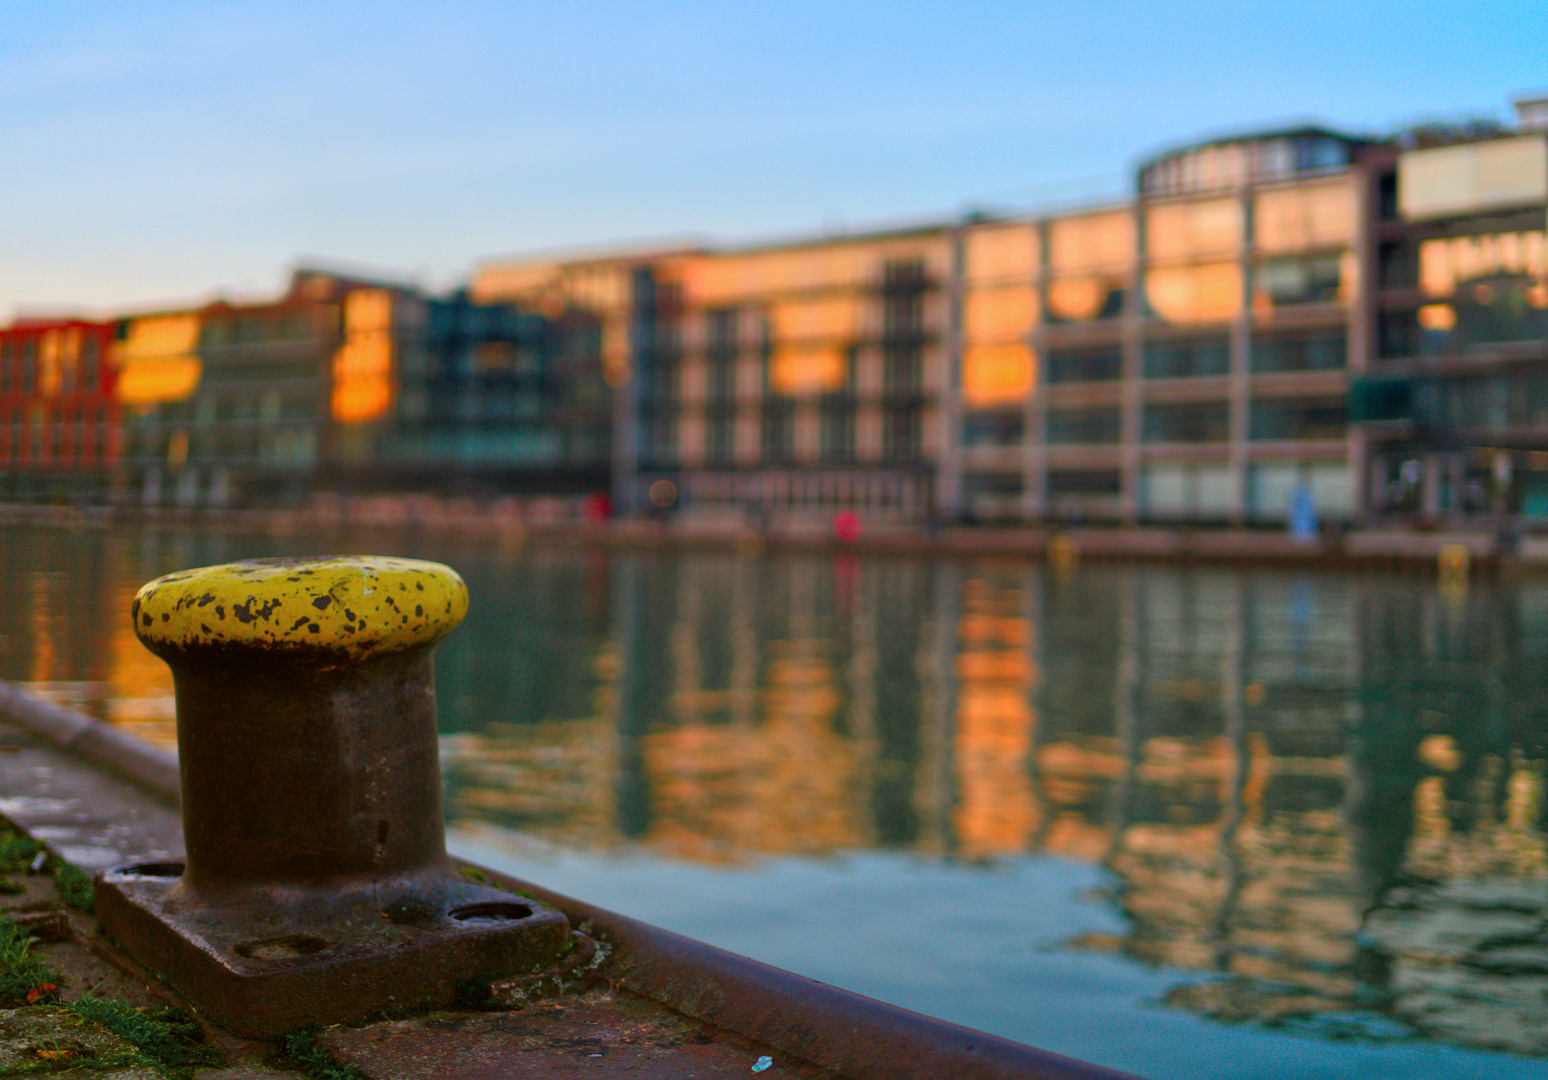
x=59, y=416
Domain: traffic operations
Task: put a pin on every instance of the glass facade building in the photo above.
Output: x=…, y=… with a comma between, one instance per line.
x=1273, y=322
x=1453, y=412
x=1182, y=357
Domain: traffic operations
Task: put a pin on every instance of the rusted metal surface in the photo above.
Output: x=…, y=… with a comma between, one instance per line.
x=264, y=971
x=806, y=1020
x=316, y=886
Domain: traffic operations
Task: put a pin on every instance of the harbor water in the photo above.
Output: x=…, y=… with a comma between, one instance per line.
x=1181, y=821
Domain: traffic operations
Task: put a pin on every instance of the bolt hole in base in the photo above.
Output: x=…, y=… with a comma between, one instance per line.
x=491, y=912
x=151, y=870
x=282, y=948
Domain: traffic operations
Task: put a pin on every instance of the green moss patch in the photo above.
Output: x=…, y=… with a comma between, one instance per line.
x=302, y=1050
x=167, y=1039
x=20, y=854
x=21, y=973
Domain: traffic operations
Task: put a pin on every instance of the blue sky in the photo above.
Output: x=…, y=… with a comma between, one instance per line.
x=165, y=151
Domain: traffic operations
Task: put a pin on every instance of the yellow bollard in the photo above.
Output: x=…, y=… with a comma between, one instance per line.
x=1063, y=552
x=1454, y=564
x=317, y=888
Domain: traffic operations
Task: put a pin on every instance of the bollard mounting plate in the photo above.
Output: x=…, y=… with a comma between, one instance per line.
x=279, y=963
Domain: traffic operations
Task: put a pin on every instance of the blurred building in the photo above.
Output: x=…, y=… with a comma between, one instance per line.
x=349, y=385
x=240, y=403
x=491, y=400
x=59, y=432
x=781, y=383
x=607, y=317
x=1291, y=325
x=1454, y=411
x=1182, y=357
x=1187, y=356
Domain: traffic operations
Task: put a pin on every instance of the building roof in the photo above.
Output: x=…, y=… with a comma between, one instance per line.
x=1294, y=131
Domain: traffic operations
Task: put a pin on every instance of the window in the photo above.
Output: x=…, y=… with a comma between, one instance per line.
x=91, y=358
x=1222, y=165
x=1190, y=229
x=992, y=483
x=720, y=379
x=720, y=332
x=1397, y=265
x=902, y=318
x=1186, y=423
x=904, y=283
x=1387, y=196
x=658, y=382
x=837, y=431
x=1298, y=419
x=1000, y=252
x=997, y=373
x=1102, y=364
x=1397, y=334
x=1085, y=298
x=900, y=432
x=1324, y=351
x=999, y=313
x=1094, y=425
x=999, y=427
x=1517, y=399
x=1188, y=295
x=1091, y=241
x=901, y=369
x=778, y=442
x=660, y=428
x=904, y=275
x=1105, y=482
x=1183, y=358
x=719, y=438
x=1304, y=217
x=1315, y=279
x=992, y=496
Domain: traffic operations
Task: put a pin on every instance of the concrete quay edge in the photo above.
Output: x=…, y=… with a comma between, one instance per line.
x=1060, y=543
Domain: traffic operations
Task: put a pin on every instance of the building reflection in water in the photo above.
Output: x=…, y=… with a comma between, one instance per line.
x=1326, y=792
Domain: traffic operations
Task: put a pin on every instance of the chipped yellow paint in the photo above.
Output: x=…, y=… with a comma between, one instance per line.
x=355, y=605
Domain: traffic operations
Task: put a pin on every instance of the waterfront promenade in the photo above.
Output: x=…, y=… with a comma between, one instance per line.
x=1455, y=549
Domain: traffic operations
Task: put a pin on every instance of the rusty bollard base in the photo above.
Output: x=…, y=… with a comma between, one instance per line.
x=316, y=887
x=266, y=973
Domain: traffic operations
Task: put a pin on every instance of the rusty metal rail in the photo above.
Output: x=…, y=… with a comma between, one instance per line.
x=850, y=1034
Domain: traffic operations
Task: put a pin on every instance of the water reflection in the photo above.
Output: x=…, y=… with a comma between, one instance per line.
x=1326, y=792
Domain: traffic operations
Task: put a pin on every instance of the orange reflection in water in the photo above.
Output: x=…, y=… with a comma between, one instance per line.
x=998, y=811
x=141, y=697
